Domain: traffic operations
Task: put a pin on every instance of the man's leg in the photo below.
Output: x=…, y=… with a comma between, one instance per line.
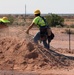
x=37, y=37
x=46, y=45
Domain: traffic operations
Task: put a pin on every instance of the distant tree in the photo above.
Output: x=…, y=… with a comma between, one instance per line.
x=54, y=20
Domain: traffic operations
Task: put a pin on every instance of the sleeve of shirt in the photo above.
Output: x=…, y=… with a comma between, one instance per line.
x=35, y=20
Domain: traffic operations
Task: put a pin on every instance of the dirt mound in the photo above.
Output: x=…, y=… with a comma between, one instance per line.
x=19, y=54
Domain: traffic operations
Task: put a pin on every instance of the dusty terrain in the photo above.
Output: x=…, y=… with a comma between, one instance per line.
x=20, y=56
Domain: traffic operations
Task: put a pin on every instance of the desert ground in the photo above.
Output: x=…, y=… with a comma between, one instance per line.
x=19, y=55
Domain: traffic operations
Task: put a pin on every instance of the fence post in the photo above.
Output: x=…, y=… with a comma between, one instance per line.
x=69, y=39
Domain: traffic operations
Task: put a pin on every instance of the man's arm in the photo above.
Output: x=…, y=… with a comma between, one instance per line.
x=27, y=31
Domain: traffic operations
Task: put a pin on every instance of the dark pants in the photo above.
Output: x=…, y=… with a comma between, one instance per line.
x=45, y=42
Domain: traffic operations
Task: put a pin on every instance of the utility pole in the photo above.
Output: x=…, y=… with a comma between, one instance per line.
x=25, y=10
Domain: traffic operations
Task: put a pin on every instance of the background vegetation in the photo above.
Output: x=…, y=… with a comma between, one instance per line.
x=54, y=20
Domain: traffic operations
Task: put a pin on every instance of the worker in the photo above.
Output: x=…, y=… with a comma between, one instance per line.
x=42, y=35
x=4, y=20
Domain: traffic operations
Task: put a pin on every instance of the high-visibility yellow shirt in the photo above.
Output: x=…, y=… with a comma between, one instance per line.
x=39, y=21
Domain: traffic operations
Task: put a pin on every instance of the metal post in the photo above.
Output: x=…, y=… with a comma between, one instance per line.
x=69, y=39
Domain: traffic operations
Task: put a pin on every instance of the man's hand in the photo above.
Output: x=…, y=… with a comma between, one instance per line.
x=27, y=31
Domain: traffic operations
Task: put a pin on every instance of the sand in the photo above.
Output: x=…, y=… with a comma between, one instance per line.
x=19, y=55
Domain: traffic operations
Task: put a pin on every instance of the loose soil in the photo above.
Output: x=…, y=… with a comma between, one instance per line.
x=19, y=55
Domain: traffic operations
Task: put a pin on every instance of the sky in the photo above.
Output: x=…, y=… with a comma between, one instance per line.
x=45, y=6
